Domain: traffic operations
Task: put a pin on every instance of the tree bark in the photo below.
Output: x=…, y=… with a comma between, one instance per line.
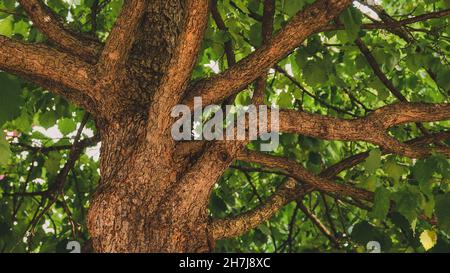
x=133, y=209
x=136, y=208
x=154, y=193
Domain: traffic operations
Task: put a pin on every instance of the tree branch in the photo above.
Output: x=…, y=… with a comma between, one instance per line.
x=305, y=23
x=267, y=31
x=88, y=142
x=371, y=128
x=316, y=98
x=316, y=221
x=386, y=18
x=240, y=224
x=393, y=25
x=210, y=165
x=286, y=193
x=235, y=226
x=121, y=39
x=377, y=70
x=298, y=172
x=228, y=45
x=243, y=73
x=383, y=78
x=404, y=33
x=51, y=26
x=60, y=72
x=423, y=17
x=328, y=215
x=356, y=159
x=57, y=188
x=184, y=58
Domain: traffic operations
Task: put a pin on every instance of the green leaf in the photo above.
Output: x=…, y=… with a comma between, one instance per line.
x=394, y=170
x=47, y=119
x=369, y=183
x=443, y=211
x=441, y=165
x=23, y=122
x=21, y=28
x=291, y=7
x=352, y=22
x=423, y=170
x=381, y=203
x=285, y=100
x=265, y=229
x=301, y=58
x=6, y=26
x=5, y=151
x=255, y=34
x=243, y=98
x=10, y=100
x=314, y=73
x=52, y=164
x=217, y=204
x=407, y=201
x=364, y=232
x=443, y=79
x=66, y=126
x=373, y=162
x=9, y=4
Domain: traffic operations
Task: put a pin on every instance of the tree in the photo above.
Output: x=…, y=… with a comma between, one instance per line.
x=363, y=98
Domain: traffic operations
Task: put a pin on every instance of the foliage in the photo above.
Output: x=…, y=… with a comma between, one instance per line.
x=332, y=71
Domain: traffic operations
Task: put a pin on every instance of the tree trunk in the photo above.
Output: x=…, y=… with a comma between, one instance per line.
x=154, y=193
x=140, y=205
x=135, y=208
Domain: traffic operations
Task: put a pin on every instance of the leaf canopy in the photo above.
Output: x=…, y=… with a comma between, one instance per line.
x=328, y=76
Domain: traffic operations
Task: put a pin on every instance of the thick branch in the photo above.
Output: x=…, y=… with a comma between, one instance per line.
x=371, y=128
x=240, y=224
x=121, y=38
x=295, y=170
x=243, y=73
x=176, y=75
x=184, y=58
x=232, y=227
x=286, y=193
x=62, y=73
x=51, y=25
x=209, y=167
x=247, y=70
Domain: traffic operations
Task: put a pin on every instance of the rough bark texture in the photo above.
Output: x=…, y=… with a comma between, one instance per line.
x=135, y=207
x=51, y=25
